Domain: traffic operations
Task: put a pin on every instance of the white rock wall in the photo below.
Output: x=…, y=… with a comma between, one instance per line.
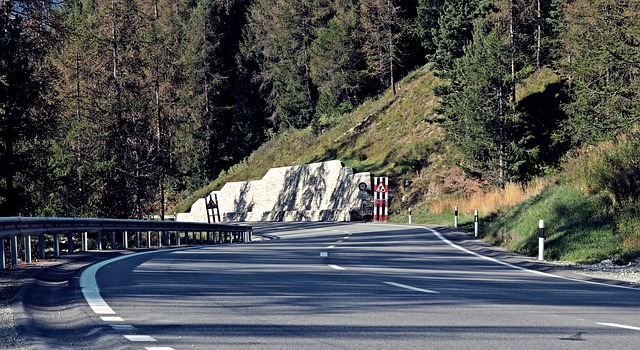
x=311, y=192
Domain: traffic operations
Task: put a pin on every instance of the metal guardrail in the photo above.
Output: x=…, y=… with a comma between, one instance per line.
x=13, y=227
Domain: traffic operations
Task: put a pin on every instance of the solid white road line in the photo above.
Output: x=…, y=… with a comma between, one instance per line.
x=521, y=268
x=89, y=286
x=159, y=348
x=620, y=326
x=336, y=267
x=411, y=288
x=442, y=238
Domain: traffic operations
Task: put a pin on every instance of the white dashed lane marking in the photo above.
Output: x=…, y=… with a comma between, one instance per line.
x=112, y=319
x=136, y=337
x=411, y=288
x=336, y=267
x=620, y=326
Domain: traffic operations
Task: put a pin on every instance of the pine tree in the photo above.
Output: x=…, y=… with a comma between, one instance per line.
x=279, y=37
x=25, y=116
x=337, y=66
x=482, y=118
x=601, y=65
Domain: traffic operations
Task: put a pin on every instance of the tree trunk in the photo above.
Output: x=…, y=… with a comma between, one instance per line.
x=539, y=38
x=512, y=49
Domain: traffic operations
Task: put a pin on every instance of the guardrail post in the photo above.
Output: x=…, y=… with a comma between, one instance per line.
x=125, y=240
x=27, y=249
x=3, y=264
x=159, y=238
x=70, y=243
x=41, y=246
x=168, y=238
x=56, y=245
x=201, y=241
x=99, y=240
x=208, y=237
x=112, y=238
x=148, y=239
x=137, y=239
x=14, y=250
x=85, y=243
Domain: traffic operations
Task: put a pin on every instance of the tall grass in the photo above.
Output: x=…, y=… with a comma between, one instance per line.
x=492, y=201
x=611, y=171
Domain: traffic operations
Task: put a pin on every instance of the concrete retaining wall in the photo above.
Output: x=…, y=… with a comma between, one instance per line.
x=324, y=191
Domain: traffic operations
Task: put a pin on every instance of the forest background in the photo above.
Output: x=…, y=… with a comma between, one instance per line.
x=121, y=108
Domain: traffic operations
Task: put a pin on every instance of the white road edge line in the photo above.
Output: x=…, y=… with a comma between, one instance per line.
x=159, y=348
x=89, y=286
x=442, y=238
x=620, y=326
x=411, y=288
x=336, y=267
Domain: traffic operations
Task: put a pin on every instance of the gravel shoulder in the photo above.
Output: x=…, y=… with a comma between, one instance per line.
x=10, y=282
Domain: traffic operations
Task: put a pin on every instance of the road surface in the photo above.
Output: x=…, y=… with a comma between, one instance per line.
x=330, y=286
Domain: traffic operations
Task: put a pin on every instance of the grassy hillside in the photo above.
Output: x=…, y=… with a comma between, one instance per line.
x=589, y=205
x=386, y=135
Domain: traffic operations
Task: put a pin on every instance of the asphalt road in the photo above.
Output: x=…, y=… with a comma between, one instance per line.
x=332, y=286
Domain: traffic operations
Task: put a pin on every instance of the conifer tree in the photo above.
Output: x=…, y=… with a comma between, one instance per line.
x=602, y=65
x=25, y=115
x=337, y=67
x=279, y=37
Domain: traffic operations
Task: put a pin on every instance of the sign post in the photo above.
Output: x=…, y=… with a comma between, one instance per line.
x=381, y=199
x=213, y=210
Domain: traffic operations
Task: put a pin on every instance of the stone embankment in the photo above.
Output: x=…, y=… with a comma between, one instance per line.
x=325, y=191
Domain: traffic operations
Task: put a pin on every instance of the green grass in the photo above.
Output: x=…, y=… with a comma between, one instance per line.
x=574, y=230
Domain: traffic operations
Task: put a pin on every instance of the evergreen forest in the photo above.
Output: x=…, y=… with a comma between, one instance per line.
x=120, y=108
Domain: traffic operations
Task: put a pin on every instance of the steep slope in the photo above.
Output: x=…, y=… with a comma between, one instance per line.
x=393, y=136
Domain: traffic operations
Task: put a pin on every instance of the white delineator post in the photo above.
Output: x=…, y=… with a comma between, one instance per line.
x=541, y=240
x=475, y=223
x=409, y=214
x=385, y=196
x=455, y=217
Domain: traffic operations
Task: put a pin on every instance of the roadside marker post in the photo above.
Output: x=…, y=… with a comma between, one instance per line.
x=455, y=217
x=475, y=223
x=409, y=214
x=541, y=240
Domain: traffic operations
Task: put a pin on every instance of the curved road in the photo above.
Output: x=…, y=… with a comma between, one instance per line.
x=333, y=286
